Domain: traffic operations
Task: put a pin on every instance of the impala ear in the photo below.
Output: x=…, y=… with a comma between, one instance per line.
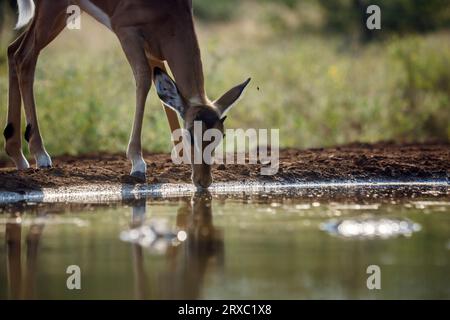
x=168, y=92
x=229, y=99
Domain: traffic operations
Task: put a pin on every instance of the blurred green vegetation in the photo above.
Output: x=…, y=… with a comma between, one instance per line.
x=399, y=16
x=318, y=87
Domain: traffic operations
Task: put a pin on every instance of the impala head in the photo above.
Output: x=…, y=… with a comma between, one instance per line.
x=211, y=115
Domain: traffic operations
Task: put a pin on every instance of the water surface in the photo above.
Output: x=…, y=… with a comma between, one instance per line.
x=285, y=246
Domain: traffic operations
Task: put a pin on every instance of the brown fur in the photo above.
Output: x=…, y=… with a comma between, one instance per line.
x=150, y=32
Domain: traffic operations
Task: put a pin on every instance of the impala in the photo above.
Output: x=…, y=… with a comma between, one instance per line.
x=150, y=32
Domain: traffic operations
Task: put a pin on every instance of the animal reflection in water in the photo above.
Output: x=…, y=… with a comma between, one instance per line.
x=186, y=263
x=22, y=285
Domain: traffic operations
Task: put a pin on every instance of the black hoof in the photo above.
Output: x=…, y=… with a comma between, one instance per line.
x=45, y=167
x=139, y=176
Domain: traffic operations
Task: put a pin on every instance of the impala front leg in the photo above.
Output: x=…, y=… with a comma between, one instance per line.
x=133, y=46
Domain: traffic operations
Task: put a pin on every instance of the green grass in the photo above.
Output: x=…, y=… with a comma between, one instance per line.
x=319, y=90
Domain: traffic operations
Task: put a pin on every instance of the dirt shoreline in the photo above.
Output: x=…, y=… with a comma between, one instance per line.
x=382, y=161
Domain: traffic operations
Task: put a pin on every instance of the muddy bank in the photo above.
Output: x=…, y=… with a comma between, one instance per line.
x=382, y=161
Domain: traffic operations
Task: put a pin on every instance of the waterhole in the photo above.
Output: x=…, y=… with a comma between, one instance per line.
x=308, y=244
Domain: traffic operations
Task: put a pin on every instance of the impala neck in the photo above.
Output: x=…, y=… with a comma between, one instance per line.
x=187, y=69
x=182, y=53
